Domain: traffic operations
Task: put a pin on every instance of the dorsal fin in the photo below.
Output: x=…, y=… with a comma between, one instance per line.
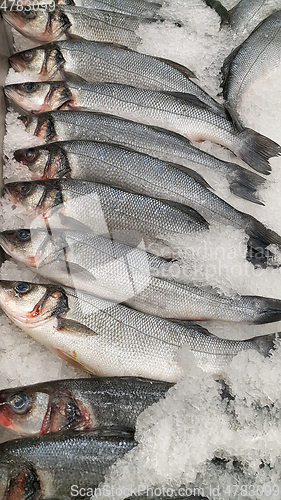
x=182, y=69
x=220, y=10
x=191, y=324
x=190, y=98
x=197, y=177
x=187, y=210
x=226, y=70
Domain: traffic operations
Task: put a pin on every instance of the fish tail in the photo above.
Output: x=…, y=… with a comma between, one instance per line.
x=257, y=149
x=260, y=238
x=245, y=184
x=265, y=343
x=267, y=310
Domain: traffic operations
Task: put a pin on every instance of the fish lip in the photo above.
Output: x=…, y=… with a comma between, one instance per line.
x=15, y=63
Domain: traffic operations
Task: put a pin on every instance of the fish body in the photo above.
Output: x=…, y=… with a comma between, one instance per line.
x=258, y=55
x=118, y=214
x=160, y=143
x=120, y=273
x=47, y=466
x=45, y=25
x=186, y=114
x=78, y=404
x=103, y=62
x=109, y=339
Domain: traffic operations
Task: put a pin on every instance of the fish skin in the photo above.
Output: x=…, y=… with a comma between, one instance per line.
x=78, y=22
x=119, y=273
x=157, y=142
x=118, y=214
x=79, y=404
x=104, y=62
x=47, y=466
x=109, y=339
x=181, y=113
x=259, y=54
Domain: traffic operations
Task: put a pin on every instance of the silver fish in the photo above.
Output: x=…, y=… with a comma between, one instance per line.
x=103, y=62
x=258, y=55
x=186, y=115
x=129, y=275
x=109, y=339
x=45, y=25
x=126, y=216
x=60, y=465
x=77, y=125
x=79, y=404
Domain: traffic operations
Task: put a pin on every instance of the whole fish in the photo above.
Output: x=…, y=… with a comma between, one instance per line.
x=120, y=273
x=78, y=404
x=45, y=25
x=125, y=216
x=59, y=465
x=246, y=15
x=258, y=56
x=139, y=8
x=185, y=115
x=109, y=339
x=78, y=125
x=104, y=62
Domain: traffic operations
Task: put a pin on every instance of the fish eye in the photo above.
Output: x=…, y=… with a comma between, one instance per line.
x=19, y=403
x=24, y=189
x=30, y=87
x=21, y=287
x=30, y=155
x=23, y=235
x=27, y=55
x=28, y=13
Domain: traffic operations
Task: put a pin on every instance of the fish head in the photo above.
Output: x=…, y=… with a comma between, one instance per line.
x=18, y=479
x=47, y=61
x=31, y=304
x=45, y=162
x=35, y=97
x=44, y=25
x=41, y=126
x=36, y=197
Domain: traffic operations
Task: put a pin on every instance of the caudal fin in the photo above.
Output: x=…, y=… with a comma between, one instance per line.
x=260, y=238
x=267, y=310
x=256, y=150
x=265, y=343
x=245, y=184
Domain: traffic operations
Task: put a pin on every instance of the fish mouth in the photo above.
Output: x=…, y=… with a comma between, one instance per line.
x=16, y=63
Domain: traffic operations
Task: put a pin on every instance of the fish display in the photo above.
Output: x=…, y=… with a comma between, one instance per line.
x=257, y=57
x=186, y=115
x=45, y=25
x=122, y=215
x=103, y=62
x=126, y=215
x=109, y=339
x=157, y=142
x=78, y=404
x=246, y=15
x=129, y=275
x=49, y=466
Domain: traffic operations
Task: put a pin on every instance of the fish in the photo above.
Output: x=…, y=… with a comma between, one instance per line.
x=122, y=215
x=138, y=173
x=181, y=113
x=45, y=25
x=59, y=465
x=246, y=15
x=109, y=339
x=107, y=62
x=255, y=58
x=138, y=8
x=119, y=273
x=160, y=143
x=78, y=404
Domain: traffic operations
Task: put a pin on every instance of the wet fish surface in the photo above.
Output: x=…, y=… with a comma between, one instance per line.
x=124, y=274
x=160, y=143
x=258, y=56
x=186, y=114
x=103, y=62
x=78, y=404
x=77, y=22
x=109, y=339
x=118, y=214
x=47, y=466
